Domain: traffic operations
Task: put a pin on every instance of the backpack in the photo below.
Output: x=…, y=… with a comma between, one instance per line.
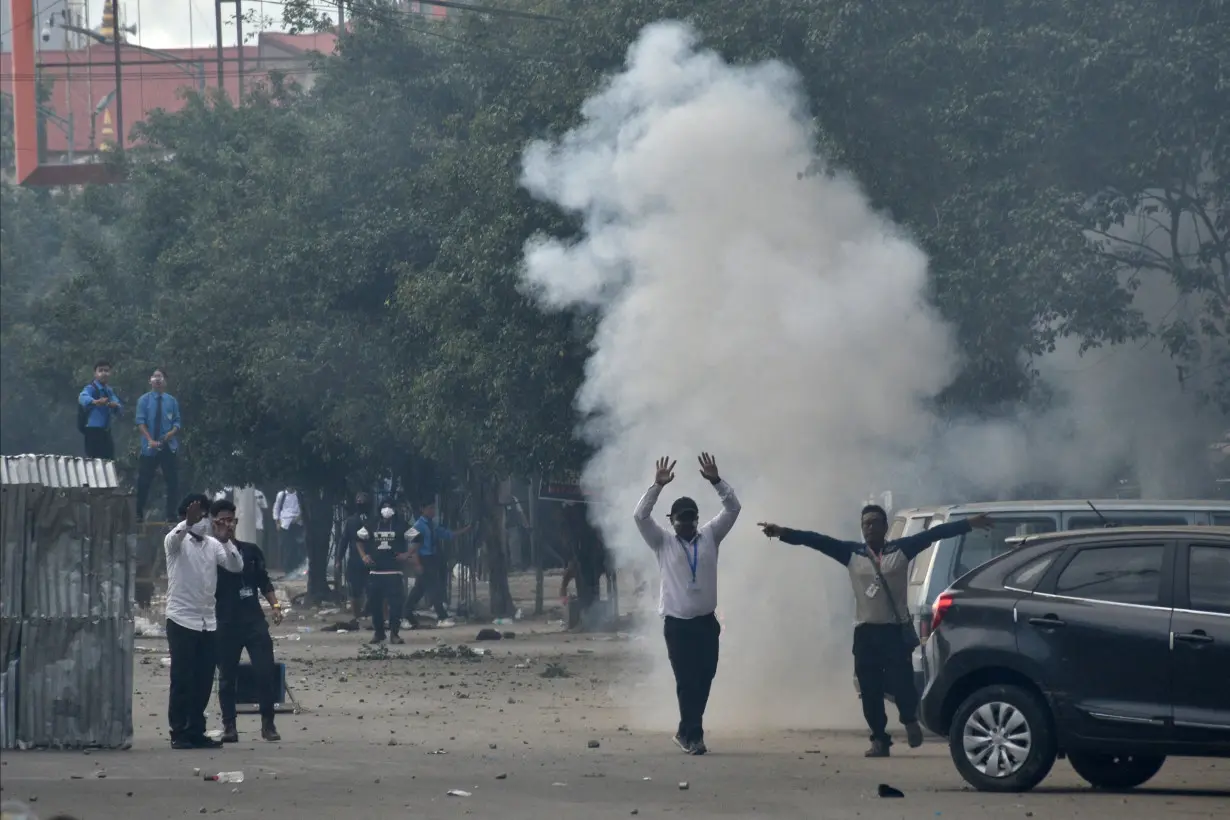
x=83, y=413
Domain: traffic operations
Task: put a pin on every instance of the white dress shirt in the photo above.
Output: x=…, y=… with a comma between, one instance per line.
x=685, y=594
x=286, y=509
x=192, y=576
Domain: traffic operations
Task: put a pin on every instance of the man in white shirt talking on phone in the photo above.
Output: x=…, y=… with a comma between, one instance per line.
x=193, y=558
x=687, y=559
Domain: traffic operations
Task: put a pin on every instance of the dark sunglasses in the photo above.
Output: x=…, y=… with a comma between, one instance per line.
x=686, y=516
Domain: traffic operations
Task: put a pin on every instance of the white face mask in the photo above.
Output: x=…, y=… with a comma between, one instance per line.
x=386, y=512
x=205, y=525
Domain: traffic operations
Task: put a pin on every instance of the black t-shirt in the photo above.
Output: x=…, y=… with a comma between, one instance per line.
x=387, y=541
x=238, y=594
x=350, y=534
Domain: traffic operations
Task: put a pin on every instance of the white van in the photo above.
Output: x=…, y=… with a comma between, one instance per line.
x=939, y=565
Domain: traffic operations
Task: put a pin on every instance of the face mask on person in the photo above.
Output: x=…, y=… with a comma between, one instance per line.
x=386, y=512
x=202, y=527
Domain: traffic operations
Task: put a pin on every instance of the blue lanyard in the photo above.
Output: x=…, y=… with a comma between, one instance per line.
x=694, y=558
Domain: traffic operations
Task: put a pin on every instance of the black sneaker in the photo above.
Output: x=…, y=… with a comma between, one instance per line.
x=182, y=744
x=683, y=744
x=914, y=734
x=879, y=748
x=205, y=742
x=698, y=747
x=395, y=638
x=229, y=733
x=269, y=732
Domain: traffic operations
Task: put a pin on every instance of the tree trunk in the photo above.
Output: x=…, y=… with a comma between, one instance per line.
x=490, y=526
x=318, y=530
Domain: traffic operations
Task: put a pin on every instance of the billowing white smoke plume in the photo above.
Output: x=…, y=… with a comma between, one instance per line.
x=754, y=308
x=750, y=309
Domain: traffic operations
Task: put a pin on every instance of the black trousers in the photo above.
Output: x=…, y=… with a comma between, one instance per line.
x=193, y=658
x=882, y=665
x=692, y=644
x=382, y=589
x=146, y=467
x=431, y=583
x=233, y=639
x=98, y=443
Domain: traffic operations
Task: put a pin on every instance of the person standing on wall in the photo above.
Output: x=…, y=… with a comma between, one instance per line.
x=159, y=423
x=288, y=520
x=193, y=558
x=884, y=636
x=242, y=625
x=687, y=559
x=97, y=407
x=434, y=574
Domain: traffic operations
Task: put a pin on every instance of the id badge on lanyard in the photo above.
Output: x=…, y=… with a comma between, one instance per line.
x=693, y=560
x=874, y=588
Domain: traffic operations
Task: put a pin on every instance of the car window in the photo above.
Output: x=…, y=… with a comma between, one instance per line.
x=1027, y=577
x=1124, y=575
x=1208, y=578
x=1220, y=520
x=1089, y=521
x=897, y=528
x=979, y=546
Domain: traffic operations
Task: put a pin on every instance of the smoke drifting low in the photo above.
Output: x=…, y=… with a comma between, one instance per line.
x=747, y=309
x=763, y=312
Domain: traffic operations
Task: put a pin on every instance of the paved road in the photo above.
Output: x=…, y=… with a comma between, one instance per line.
x=520, y=744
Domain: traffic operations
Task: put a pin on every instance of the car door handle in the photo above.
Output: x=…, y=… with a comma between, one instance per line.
x=1199, y=636
x=1049, y=621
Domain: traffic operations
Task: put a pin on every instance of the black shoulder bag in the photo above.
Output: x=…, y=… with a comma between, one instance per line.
x=909, y=636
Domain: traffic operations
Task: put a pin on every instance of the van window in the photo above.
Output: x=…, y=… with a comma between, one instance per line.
x=1089, y=521
x=898, y=527
x=980, y=546
x=1220, y=520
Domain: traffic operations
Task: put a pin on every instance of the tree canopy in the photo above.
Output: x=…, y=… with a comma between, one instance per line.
x=331, y=275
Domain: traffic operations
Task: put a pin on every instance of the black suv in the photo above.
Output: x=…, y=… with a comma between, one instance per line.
x=1109, y=647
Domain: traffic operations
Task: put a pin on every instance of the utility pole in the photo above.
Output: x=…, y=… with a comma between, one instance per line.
x=536, y=543
x=239, y=43
x=341, y=16
x=119, y=77
x=218, y=24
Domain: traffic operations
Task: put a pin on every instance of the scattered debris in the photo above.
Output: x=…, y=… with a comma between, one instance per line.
x=502, y=776
x=458, y=793
x=555, y=670
x=593, y=744
x=225, y=777
x=342, y=626
x=683, y=786
x=488, y=635
x=885, y=790
x=145, y=628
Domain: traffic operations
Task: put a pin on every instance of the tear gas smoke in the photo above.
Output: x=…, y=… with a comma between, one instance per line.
x=750, y=309
x=751, y=304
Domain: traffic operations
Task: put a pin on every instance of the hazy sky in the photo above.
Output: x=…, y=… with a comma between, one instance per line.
x=183, y=23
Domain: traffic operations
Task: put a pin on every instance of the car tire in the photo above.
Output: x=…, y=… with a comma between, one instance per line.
x=1002, y=739
x=1115, y=772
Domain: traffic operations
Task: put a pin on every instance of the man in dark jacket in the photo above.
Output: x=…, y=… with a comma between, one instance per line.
x=242, y=625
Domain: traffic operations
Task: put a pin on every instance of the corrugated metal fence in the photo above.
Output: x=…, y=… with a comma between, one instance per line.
x=66, y=604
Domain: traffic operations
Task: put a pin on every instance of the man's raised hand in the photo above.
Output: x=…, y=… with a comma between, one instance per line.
x=708, y=468
x=665, y=471
x=194, y=513
x=770, y=530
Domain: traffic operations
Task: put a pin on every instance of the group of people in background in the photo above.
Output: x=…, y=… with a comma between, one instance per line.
x=377, y=556
x=215, y=584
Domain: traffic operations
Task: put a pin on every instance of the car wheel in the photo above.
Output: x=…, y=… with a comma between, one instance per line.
x=1115, y=772
x=1001, y=739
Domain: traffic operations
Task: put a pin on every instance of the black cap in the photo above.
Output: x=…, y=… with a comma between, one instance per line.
x=684, y=504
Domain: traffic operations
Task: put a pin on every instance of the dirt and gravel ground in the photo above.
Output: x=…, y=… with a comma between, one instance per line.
x=389, y=738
